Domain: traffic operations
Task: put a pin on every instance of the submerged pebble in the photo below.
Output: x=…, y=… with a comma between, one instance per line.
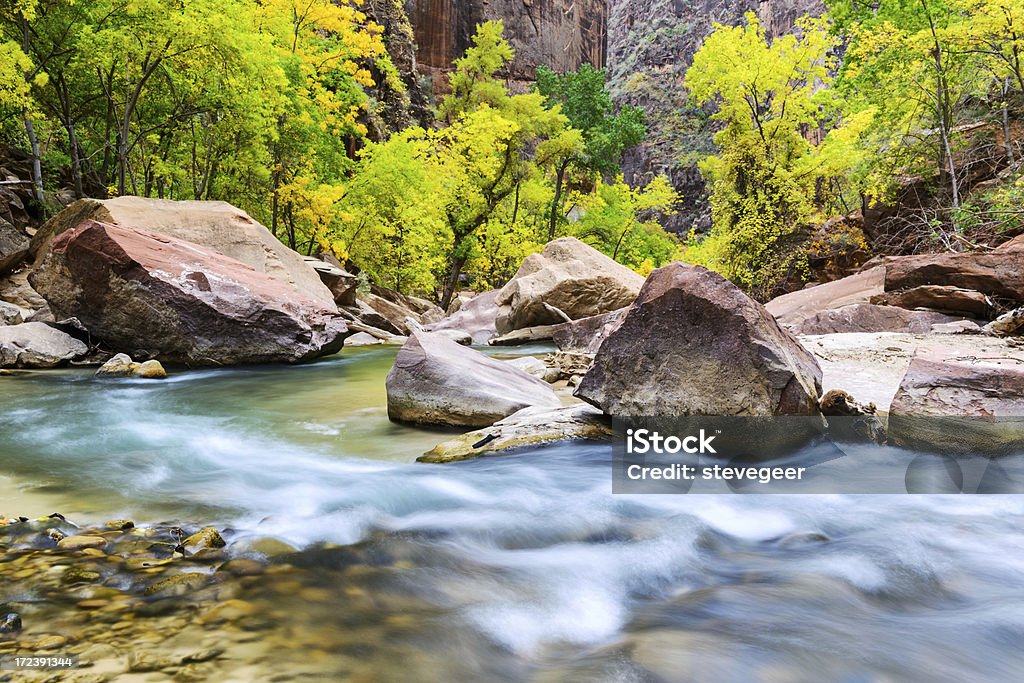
x=10, y=623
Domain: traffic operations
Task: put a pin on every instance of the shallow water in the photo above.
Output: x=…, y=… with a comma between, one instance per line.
x=521, y=567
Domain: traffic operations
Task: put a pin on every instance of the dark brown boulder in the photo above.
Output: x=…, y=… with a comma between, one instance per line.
x=946, y=298
x=148, y=294
x=694, y=344
x=870, y=318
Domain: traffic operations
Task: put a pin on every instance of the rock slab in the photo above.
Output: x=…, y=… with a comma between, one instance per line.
x=694, y=344
x=149, y=294
x=436, y=381
x=870, y=318
x=953, y=401
x=527, y=427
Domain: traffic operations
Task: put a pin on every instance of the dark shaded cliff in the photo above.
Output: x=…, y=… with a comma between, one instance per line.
x=560, y=34
x=651, y=44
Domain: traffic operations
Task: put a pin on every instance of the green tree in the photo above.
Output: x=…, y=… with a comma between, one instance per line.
x=769, y=182
x=485, y=153
x=621, y=221
x=597, y=150
x=392, y=222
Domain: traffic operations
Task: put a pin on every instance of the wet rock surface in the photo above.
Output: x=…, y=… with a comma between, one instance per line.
x=527, y=427
x=139, y=606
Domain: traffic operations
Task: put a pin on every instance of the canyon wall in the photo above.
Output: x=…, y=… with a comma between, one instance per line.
x=560, y=34
x=646, y=45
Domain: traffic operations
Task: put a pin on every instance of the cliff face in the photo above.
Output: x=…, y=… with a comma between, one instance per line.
x=651, y=44
x=647, y=46
x=560, y=34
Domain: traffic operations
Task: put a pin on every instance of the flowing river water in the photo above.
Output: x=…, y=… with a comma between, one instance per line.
x=513, y=568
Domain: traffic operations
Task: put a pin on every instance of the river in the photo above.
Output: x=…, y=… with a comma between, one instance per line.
x=513, y=568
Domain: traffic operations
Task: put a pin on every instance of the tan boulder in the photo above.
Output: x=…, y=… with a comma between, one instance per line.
x=569, y=280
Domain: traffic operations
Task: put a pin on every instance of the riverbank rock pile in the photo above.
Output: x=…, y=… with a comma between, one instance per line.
x=693, y=344
x=436, y=381
x=569, y=280
x=158, y=296
x=921, y=293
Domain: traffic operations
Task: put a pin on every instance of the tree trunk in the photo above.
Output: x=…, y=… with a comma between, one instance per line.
x=944, y=108
x=1007, y=140
x=76, y=160
x=451, y=281
x=556, y=201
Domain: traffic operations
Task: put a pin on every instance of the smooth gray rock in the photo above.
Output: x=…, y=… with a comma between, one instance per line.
x=475, y=316
x=37, y=345
x=436, y=381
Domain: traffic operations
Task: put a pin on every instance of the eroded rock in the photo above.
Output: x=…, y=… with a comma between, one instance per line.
x=870, y=318
x=37, y=345
x=527, y=427
x=954, y=401
x=216, y=225
x=145, y=292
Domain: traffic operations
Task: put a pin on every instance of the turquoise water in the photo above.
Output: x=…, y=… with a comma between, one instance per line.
x=520, y=567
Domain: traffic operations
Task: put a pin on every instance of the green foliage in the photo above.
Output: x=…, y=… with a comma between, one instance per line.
x=621, y=222
x=594, y=143
x=258, y=103
x=770, y=182
x=471, y=198
x=474, y=81
x=267, y=104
